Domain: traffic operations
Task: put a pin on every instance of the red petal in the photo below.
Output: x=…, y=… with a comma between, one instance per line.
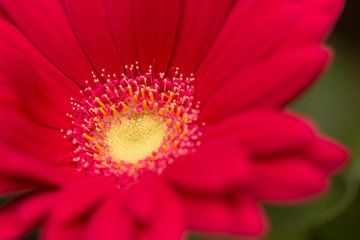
x=142, y=199
x=32, y=138
x=267, y=84
x=3, y=14
x=47, y=27
x=24, y=171
x=216, y=166
x=288, y=179
x=122, y=27
x=42, y=90
x=235, y=215
x=264, y=132
x=318, y=18
x=90, y=25
x=109, y=221
x=154, y=205
x=156, y=25
x=330, y=156
x=24, y=214
x=146, y=210
x=241, y=45
x=200, y=25
x=302, y=25
x=74, y=204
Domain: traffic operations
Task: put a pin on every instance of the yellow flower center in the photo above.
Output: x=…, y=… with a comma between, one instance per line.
x=135, y=138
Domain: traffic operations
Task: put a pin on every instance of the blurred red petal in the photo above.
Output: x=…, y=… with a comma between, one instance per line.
x=240, y=215
x=23, y=214
x=264, y=132
x=265, y=83
x=288, y=179
x=330, y=156
x=109, y=221
x=217, y=165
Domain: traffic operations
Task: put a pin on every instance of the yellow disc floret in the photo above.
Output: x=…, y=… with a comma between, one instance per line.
x=135, y=138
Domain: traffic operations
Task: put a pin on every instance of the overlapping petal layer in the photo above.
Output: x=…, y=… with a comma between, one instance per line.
x=249, y=58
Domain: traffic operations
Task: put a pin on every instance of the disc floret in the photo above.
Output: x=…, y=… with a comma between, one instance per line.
x=125, y=127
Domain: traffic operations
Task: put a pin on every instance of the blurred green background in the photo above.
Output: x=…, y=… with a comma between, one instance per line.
x=334, y=103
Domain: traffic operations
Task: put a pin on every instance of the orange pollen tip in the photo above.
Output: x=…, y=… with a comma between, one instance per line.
x=125, y=127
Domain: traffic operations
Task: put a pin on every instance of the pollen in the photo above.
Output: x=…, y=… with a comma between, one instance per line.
x=135, y=138
x=128, y=126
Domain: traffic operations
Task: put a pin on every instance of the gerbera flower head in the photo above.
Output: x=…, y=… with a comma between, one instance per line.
x=138, y=123
x=140, y=119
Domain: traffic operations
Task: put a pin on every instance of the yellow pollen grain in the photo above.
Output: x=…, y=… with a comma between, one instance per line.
x=135, y=138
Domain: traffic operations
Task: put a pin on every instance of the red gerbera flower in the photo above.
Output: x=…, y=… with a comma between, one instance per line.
x=140, y=119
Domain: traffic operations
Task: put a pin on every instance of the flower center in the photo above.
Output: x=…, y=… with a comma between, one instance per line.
x=135, y=138
x=129, y=126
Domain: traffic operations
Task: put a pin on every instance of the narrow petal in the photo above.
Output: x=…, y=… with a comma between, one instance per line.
x=192, y=41
x=90, y=25
x=122, y=27
x=156, y=26
x=328, y=154
x=266, y=85
x=299, y=25
x=318, y=18
x=42, y=89
x=241, y=45
x=264, y=132
x=288, y=179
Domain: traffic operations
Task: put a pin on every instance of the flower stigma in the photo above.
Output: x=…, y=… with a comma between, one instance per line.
x=126, y=127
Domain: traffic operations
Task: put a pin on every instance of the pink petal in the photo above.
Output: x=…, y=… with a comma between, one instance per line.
x=217, y=165
x=47, y=26
x=288, y=179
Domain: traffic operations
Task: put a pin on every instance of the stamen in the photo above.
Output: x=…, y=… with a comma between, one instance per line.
x=125, y=128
